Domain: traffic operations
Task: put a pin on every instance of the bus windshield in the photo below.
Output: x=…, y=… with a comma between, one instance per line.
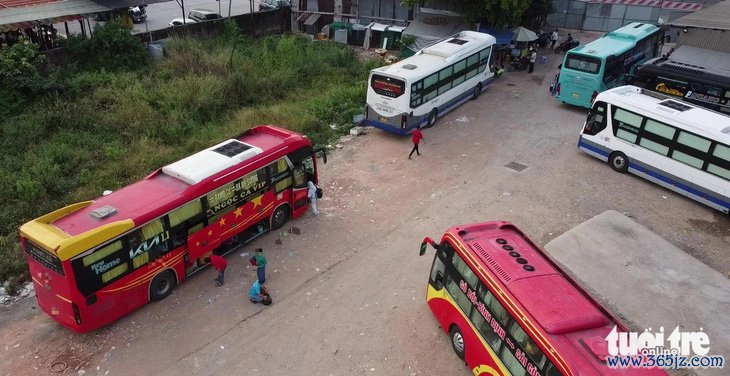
x=583, y=63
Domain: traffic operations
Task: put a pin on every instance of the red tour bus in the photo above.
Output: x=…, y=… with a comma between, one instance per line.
x=510, y=310
x=95, y=261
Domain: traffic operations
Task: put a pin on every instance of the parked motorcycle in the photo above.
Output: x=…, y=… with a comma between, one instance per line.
x=542, y=40
x=138, y=13
x=518, y=64
x=566, y=45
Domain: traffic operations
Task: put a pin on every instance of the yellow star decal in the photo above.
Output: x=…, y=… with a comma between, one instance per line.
x=210, y=232
x=239, y=212
x=257, y=201
x=197, y=244
x=222, y=221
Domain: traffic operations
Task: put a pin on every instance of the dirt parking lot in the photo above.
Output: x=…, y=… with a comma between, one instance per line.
x=348, y=285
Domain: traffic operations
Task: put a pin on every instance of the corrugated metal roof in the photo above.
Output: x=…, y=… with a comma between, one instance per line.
x=22, y=17
x=18, y=14
x=713, y=17
x=702, y=57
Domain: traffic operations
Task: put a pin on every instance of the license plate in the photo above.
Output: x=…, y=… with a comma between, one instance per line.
x=383, y=119
x=576, y=95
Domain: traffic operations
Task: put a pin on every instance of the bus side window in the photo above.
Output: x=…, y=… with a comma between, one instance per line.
x=184, y=221
x=596, y=121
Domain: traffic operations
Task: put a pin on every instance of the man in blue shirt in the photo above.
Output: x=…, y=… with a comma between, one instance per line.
x=257, y=293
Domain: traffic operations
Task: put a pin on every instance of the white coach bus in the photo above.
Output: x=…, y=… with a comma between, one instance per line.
x=415, y=91
x=674, y=144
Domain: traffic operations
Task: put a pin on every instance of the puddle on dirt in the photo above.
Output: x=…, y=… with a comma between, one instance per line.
x=295, y=230
x=538, y=78
x=719, y=227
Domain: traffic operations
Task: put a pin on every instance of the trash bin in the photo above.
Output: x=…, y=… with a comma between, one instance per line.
x=393, y=34
x=340, y=25
x=377, y=35
x=357, y=35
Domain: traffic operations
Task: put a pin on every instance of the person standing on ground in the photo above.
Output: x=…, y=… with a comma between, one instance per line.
x=417, y=137
x=220, y=264
x=312, y=195
x=553, y=39
x=260, y=265
x=533, y=59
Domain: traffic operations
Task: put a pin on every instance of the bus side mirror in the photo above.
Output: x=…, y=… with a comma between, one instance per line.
x=424, y=245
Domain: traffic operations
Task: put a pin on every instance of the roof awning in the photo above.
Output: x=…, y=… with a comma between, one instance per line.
x=24, y=14
x=312, y=20
x=303, y=17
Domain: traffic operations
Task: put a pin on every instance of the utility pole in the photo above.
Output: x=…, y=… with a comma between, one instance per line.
x=182, y=5
x=230, y=2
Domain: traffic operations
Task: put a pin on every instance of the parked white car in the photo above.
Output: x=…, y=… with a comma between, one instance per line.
x=180, y=22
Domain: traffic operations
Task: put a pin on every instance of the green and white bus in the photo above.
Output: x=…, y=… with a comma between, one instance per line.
x=606, y=62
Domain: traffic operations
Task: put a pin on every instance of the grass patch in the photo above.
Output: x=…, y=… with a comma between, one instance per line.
x=102, y=129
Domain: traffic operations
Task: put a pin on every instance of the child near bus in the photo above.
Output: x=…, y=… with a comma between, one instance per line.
x=220, y=264
x=258, y=294
x=417, y=137
x=259, y=261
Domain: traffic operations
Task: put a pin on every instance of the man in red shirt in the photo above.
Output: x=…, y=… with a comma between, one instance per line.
x=220, y=264
x=417, y=137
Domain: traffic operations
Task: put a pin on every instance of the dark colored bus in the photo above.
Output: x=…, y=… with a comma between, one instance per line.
x=696, y=75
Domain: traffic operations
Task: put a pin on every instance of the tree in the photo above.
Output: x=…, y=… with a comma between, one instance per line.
x=537, y=13
x=495, y=12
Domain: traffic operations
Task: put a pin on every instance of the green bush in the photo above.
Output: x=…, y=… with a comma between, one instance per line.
x=112, y=47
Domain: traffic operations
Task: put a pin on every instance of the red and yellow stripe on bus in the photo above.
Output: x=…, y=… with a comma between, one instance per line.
x=481, y=369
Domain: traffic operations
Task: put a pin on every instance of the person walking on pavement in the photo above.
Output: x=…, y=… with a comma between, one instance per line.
x=533, y=59
x=417, y=137
x=220, y=264
x=553, y=39
x=260, y=261
x=312, y=195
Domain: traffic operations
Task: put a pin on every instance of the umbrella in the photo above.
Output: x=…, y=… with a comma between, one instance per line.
x=523, y=35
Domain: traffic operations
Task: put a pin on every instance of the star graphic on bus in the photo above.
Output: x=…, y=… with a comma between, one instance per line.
x=222, y=221
x=239, y=212
x=210, y=232
x=257, y=201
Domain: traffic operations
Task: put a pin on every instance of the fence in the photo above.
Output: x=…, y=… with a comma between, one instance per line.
x=608, y=15
x=277, y=21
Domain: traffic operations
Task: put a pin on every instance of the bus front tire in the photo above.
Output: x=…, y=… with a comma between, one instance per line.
x=432, y=118
x=477, y=91
x=619, y=161
x=457, y=341
x=162, y=285
x=280, y=216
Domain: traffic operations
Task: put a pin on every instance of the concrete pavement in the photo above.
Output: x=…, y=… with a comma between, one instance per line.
x=646, y=280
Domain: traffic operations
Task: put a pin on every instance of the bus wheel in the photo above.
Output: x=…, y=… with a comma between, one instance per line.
x=457, y=341
x=619, y=161
x=477, y=91
x=280, y=216
x=432, y=118
x=162, y=285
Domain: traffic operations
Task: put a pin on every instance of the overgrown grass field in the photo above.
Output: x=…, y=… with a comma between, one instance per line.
x=96, y=125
